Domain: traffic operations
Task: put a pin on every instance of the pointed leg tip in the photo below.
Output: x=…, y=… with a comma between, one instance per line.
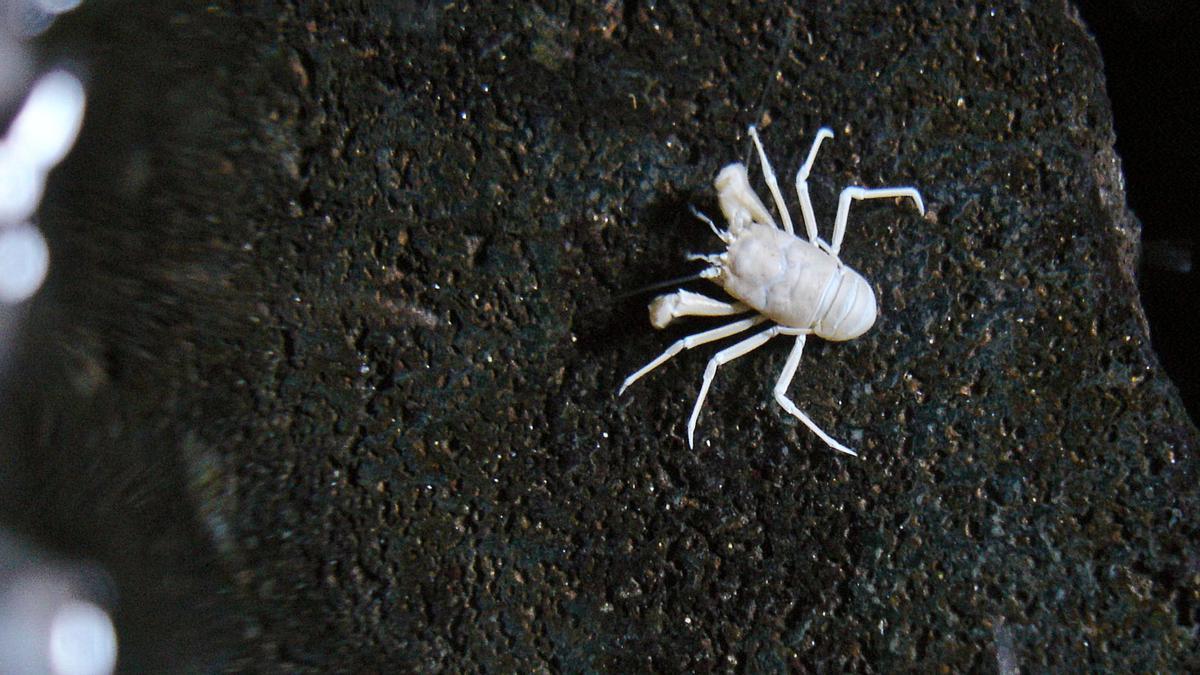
x=841, y=448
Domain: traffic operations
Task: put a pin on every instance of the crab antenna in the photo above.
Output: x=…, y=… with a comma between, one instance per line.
x=662, y=284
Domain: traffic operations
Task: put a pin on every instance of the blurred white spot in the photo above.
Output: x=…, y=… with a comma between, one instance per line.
x=14, y=69
x=57, y=6
x=50, y=619
x=39, y=137
x=26, y=20
x=20, y=187
x=49, y=121
x=30, y=18
x=24, y=260
x=82, y=640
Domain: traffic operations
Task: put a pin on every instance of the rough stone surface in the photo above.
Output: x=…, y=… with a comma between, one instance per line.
x=358, y=281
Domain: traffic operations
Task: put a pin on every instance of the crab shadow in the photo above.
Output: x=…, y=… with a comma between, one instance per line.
x=671, y=232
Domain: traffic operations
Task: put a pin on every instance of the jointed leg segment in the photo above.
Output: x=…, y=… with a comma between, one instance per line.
x=772, y=182
x=693, y=341
x=785, y=379
x=723, y=235
x=666, y=308
x=839, y=224
x=725, y=356
x=732, y=352
x=806, y=209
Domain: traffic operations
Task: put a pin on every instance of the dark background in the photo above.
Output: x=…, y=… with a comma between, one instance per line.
x=1151, y=52
x=325, y=370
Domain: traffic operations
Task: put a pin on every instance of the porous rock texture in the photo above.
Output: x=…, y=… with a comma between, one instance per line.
x=364, y=282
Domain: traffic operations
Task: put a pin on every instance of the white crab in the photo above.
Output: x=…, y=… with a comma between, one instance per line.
x=800, y=285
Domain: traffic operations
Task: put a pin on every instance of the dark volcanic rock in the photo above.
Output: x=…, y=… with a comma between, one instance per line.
x=373, y=299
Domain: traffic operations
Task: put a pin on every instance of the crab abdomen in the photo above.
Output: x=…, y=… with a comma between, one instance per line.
x=794, y=283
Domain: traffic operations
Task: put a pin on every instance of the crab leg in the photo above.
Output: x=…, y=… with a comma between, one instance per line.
x=781, y=397
x=839, y=224
x=722, y=357
x=693, y=341
x=772, y=182
x=666, y=308
x=806, y=209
